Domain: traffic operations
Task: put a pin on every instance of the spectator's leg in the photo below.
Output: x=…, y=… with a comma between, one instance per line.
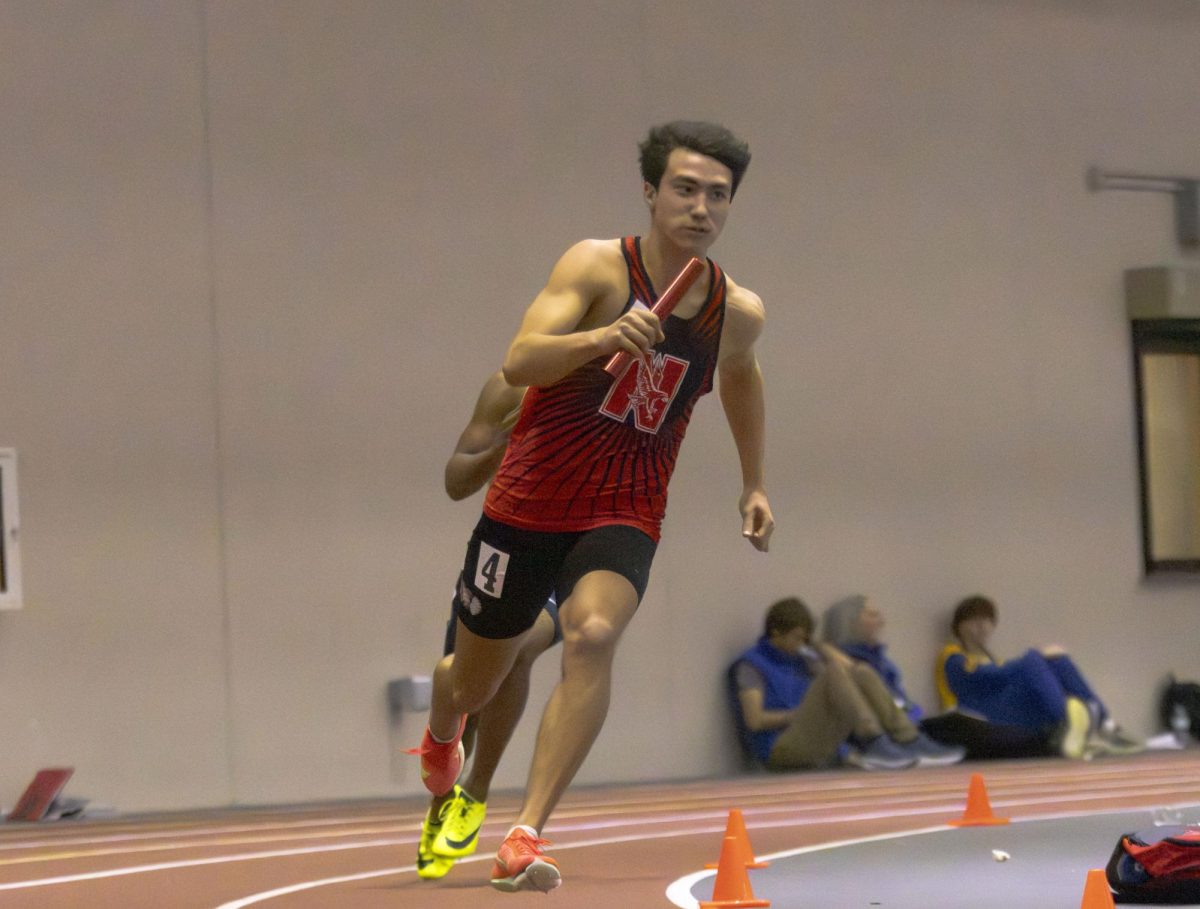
x=895, y=722
x=1033, y=698
x=822, y=723
x=1074, y=684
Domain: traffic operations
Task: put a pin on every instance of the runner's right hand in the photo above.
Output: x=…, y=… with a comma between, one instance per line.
x=635, y=333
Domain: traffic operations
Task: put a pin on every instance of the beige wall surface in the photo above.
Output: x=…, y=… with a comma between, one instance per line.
x=256, y=259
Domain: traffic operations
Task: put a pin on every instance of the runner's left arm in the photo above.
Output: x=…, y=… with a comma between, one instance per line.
x=743, y=399
x=482, y=444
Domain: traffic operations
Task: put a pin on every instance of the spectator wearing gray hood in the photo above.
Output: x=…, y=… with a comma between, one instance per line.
x=854, y=626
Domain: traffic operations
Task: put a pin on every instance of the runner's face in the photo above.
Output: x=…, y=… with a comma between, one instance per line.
x=692, y=200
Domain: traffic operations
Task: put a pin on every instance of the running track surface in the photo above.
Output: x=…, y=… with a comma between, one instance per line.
x=618, y=846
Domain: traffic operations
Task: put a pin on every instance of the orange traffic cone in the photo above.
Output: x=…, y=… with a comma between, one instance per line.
x=736, y=828
x=979, y=809
x=732, y=886
x=1096, y=893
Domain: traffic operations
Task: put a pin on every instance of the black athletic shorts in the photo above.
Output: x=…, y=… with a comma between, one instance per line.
x=550, y=606
x=510, y=573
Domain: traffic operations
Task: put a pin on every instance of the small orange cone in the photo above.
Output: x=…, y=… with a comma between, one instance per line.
x=732, y=886
x=979, y=809
x=736, y=828
x=1096, y=893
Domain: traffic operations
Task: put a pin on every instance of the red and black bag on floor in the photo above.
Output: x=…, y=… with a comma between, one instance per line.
x=1162, y=867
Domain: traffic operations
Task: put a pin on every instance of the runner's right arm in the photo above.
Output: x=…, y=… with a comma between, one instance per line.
x=550, y=344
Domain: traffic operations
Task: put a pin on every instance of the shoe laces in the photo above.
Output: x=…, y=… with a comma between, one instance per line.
x=528, y=844
x=430, y=747
x=424, y=748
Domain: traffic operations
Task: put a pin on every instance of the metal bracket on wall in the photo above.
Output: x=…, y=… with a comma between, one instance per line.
x=1185, y=190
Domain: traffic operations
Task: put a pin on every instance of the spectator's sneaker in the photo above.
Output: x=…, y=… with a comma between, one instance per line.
x=431, y=866
x=520, y=864
x=881, y=753
x=1075, y=729
x=460, y=825
x=441, y=762
x=1109, y=738
x=932, y=753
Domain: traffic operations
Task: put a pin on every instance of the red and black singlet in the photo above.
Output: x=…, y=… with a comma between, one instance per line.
x=592, y=450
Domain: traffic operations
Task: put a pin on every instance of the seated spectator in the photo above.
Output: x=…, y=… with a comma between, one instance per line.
x=802, y=704
x=1042, y=691
x=855, y=626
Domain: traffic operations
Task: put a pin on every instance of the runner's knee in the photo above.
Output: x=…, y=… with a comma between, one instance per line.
x=591, y=636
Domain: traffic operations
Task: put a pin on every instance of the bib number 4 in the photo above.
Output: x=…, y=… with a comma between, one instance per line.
x=490, y=569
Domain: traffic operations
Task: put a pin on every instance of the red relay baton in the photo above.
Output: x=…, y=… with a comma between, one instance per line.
x=666, y=302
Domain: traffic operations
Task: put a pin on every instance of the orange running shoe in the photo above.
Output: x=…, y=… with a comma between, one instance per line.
x=520, y=864
x=441, y=762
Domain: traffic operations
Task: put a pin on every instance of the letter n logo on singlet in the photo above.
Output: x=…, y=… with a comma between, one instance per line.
x=646, y=388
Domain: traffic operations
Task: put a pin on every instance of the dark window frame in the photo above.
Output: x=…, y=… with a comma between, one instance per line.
x=1158, y=336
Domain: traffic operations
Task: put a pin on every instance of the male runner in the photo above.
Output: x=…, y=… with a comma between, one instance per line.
x=577, y=503
x=451, y=827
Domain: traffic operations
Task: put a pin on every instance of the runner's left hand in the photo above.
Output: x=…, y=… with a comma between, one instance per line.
x=757, y=522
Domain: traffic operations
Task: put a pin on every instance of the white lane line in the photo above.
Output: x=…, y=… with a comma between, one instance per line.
x=344, y=879
x=384, y=872
x=199, y=831
x=195, y=863
x=95, y=852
